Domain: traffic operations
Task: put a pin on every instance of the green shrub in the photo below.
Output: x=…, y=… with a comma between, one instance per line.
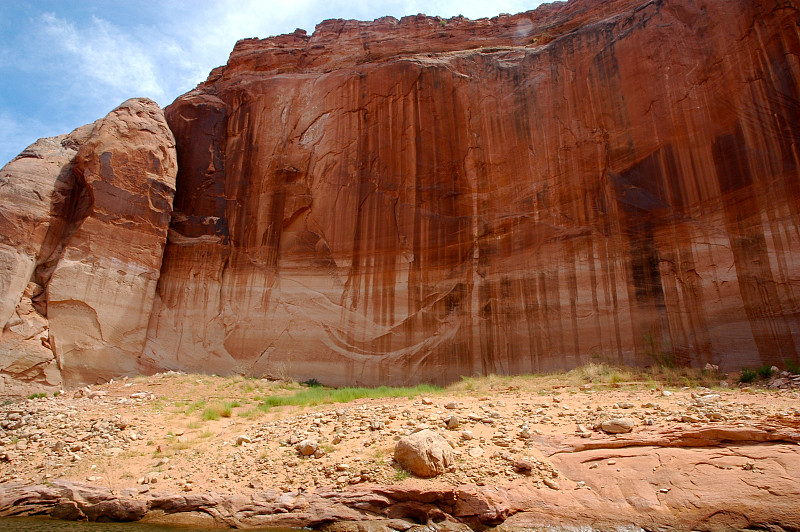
x=218, y=410
x=747, y=375
x=400, y=474
x=765, y=371
x=792, y=366
x=197, y=405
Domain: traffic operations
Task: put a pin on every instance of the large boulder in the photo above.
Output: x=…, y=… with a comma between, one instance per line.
x=424, y=453
x=617, y=425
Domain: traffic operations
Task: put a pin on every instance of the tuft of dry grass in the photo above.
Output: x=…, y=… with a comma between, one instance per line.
x=595, y=373
x=215, y=411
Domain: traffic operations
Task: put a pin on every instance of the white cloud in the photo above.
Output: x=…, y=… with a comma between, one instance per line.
x=104, y=54
x=80, y=67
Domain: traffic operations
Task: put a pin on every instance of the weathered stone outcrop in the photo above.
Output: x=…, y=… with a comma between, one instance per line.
x=100, y=296
x=421, y=199
x=83, y=237
x=397, y=201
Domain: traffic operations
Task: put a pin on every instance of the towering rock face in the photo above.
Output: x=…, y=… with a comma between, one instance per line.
x=421, y=199
x=399, y=201
x=36, y=192
x=101, y=292
x=83, y=236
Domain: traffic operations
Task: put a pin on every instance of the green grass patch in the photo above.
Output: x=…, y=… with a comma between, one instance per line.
x=194, y=407
x=250, y=413
x=37, y=395
x=400, y=474
x=319, y=395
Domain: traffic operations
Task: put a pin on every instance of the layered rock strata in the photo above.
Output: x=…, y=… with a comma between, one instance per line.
x=397, y=201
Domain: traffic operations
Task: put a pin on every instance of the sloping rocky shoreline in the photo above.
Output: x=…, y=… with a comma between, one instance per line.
x=529, y=452
x=693, y=496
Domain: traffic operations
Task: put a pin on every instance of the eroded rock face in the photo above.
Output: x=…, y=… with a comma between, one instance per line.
x=100, y=295
x=421, y=199
x=417, y=200
x=82, y=233
x=39, y=203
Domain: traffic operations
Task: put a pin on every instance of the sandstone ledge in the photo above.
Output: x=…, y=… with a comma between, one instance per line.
x=680, y=483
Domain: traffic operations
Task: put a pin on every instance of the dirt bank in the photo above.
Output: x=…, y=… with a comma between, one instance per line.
x=528, y=452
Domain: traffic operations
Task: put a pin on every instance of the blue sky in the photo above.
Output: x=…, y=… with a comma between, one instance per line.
x=67, y=63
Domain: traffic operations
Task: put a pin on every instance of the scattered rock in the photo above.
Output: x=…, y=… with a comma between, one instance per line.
x=619, y=425
x=307, y=447
x=452, y=422
x=551, y=483
x=523, y=465
x=424, y=453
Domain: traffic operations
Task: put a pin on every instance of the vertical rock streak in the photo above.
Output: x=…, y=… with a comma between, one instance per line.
x=620, y=189
x=398, y=201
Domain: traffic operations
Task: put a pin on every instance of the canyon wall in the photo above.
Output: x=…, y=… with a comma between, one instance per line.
x=390, y=202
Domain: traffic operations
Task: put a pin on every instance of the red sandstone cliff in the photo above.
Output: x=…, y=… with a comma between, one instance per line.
x=395, y=201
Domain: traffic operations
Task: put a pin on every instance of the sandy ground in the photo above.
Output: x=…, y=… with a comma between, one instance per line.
x=160, y=432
